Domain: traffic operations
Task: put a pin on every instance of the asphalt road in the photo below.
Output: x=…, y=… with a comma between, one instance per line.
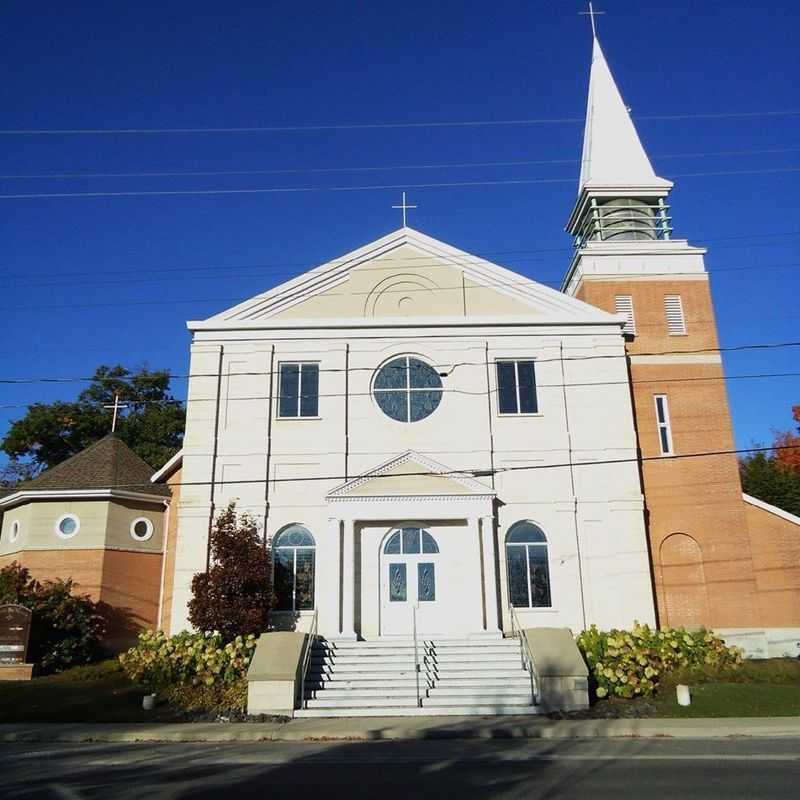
x=585, y=769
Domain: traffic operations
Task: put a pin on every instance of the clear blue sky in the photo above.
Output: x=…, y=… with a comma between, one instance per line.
x=106, y=280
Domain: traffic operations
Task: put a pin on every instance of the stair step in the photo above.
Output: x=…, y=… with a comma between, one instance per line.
x=425, y=711
x=360, y=702
x=363, y=691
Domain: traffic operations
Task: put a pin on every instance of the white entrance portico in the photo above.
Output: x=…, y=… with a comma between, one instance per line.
x=413, y=535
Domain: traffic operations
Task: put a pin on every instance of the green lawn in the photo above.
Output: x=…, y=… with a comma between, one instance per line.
x=96, y=693
x=767, y=687
x=733, y=700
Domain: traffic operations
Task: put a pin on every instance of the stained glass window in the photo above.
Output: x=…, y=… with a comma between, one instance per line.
x=410, y=541
x=528, y=566
x=397, y=583
x=407, y=389
x=426, y=582
x=294, y=549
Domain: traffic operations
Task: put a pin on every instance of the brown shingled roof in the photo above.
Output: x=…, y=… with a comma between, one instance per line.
x=106, y=464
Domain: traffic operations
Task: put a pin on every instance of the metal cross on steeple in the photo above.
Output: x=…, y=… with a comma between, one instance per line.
x=404, y=206
x=117, y=406
x=591, y=13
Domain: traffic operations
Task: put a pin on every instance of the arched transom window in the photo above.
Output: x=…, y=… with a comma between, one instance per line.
x=528, y=566
x=410, y=541
x=293, y=550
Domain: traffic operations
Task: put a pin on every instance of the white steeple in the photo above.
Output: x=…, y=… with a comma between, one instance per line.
x=613, y=155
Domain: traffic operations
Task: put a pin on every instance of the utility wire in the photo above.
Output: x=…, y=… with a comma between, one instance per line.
x=380, y=125
x=450, y=366
x=444, y=390
x=385, y=168
x=374, y=187
x=428, y=267
x=474, y=471
x=466, y=258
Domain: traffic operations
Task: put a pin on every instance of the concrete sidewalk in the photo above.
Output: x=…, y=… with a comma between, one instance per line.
x=405, y=728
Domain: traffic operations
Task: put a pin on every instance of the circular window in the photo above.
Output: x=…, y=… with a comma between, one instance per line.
x=14, y=532
x=67, y=525
x=407, y=389
x=141, y=529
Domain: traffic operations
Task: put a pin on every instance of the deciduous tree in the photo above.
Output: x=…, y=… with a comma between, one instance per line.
x=151, y=424
x=235, y=595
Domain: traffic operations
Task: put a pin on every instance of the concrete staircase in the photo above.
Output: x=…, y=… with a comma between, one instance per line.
x=457, y=677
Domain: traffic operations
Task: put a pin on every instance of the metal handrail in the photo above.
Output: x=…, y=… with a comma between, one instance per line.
x=416, y=653
x=312, y=635
x=526, y=656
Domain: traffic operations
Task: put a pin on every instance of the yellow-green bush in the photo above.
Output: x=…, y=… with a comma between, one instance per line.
x=188, y=659
x=631, y=663
x=220, y=698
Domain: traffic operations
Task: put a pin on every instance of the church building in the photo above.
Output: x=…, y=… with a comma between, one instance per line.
x=431, y=440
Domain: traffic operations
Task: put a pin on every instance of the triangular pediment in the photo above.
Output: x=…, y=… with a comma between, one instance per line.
x=407, y=276
x=411, y=475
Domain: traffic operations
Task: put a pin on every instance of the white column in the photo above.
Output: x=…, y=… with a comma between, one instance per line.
x=348, y=581
x=490, y=587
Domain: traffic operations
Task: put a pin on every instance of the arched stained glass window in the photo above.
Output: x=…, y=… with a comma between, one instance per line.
x=528, y=566
x=294, y=550
x=410, y=541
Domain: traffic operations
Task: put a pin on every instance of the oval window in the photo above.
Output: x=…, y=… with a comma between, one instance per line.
x=407, y=389
x=14, y=533
x=67, y=525
x=141, y=529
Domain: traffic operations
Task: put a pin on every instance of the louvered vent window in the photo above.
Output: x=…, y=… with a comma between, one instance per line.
x=624, y=305
x=676, y=324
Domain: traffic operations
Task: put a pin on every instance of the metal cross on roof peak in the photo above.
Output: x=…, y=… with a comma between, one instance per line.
x=116, y=406
x=404, y=206
x=591, y=13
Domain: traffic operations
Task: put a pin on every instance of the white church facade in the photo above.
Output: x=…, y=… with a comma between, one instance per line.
x=409, y=422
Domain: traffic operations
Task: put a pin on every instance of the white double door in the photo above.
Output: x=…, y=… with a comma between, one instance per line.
x=411, y=579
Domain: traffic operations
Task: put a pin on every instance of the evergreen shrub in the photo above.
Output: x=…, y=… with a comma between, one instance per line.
x=631, y=663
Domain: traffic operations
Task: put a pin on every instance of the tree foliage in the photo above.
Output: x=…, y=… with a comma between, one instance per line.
x=775, y=477
x=66, y=628
x=765, y=477
x=235, y=595
x=790, y=456
x=151, y=425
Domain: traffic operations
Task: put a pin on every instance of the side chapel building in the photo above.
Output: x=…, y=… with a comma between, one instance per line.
x=429, y=438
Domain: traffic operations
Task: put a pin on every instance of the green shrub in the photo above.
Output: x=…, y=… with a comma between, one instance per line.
x=631, y=663
x=188, y=659
x=219, y=699
x=66, y=628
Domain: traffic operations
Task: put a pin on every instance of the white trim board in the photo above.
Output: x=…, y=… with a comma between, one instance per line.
x=778, y=512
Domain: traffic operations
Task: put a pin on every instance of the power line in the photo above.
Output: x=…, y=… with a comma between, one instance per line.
x=467, y=258
x=384, y=168
x=374, y=187
x=482, y=393
x=260, y=298
x=476, y=471
x=380, y=125
x=450, y=365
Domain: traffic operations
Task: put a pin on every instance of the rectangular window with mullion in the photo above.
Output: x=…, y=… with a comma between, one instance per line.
x=516, y=387
x=298, y=389
x=663, y=424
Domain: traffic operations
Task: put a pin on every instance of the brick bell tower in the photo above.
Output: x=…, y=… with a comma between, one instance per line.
x=627, y=261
